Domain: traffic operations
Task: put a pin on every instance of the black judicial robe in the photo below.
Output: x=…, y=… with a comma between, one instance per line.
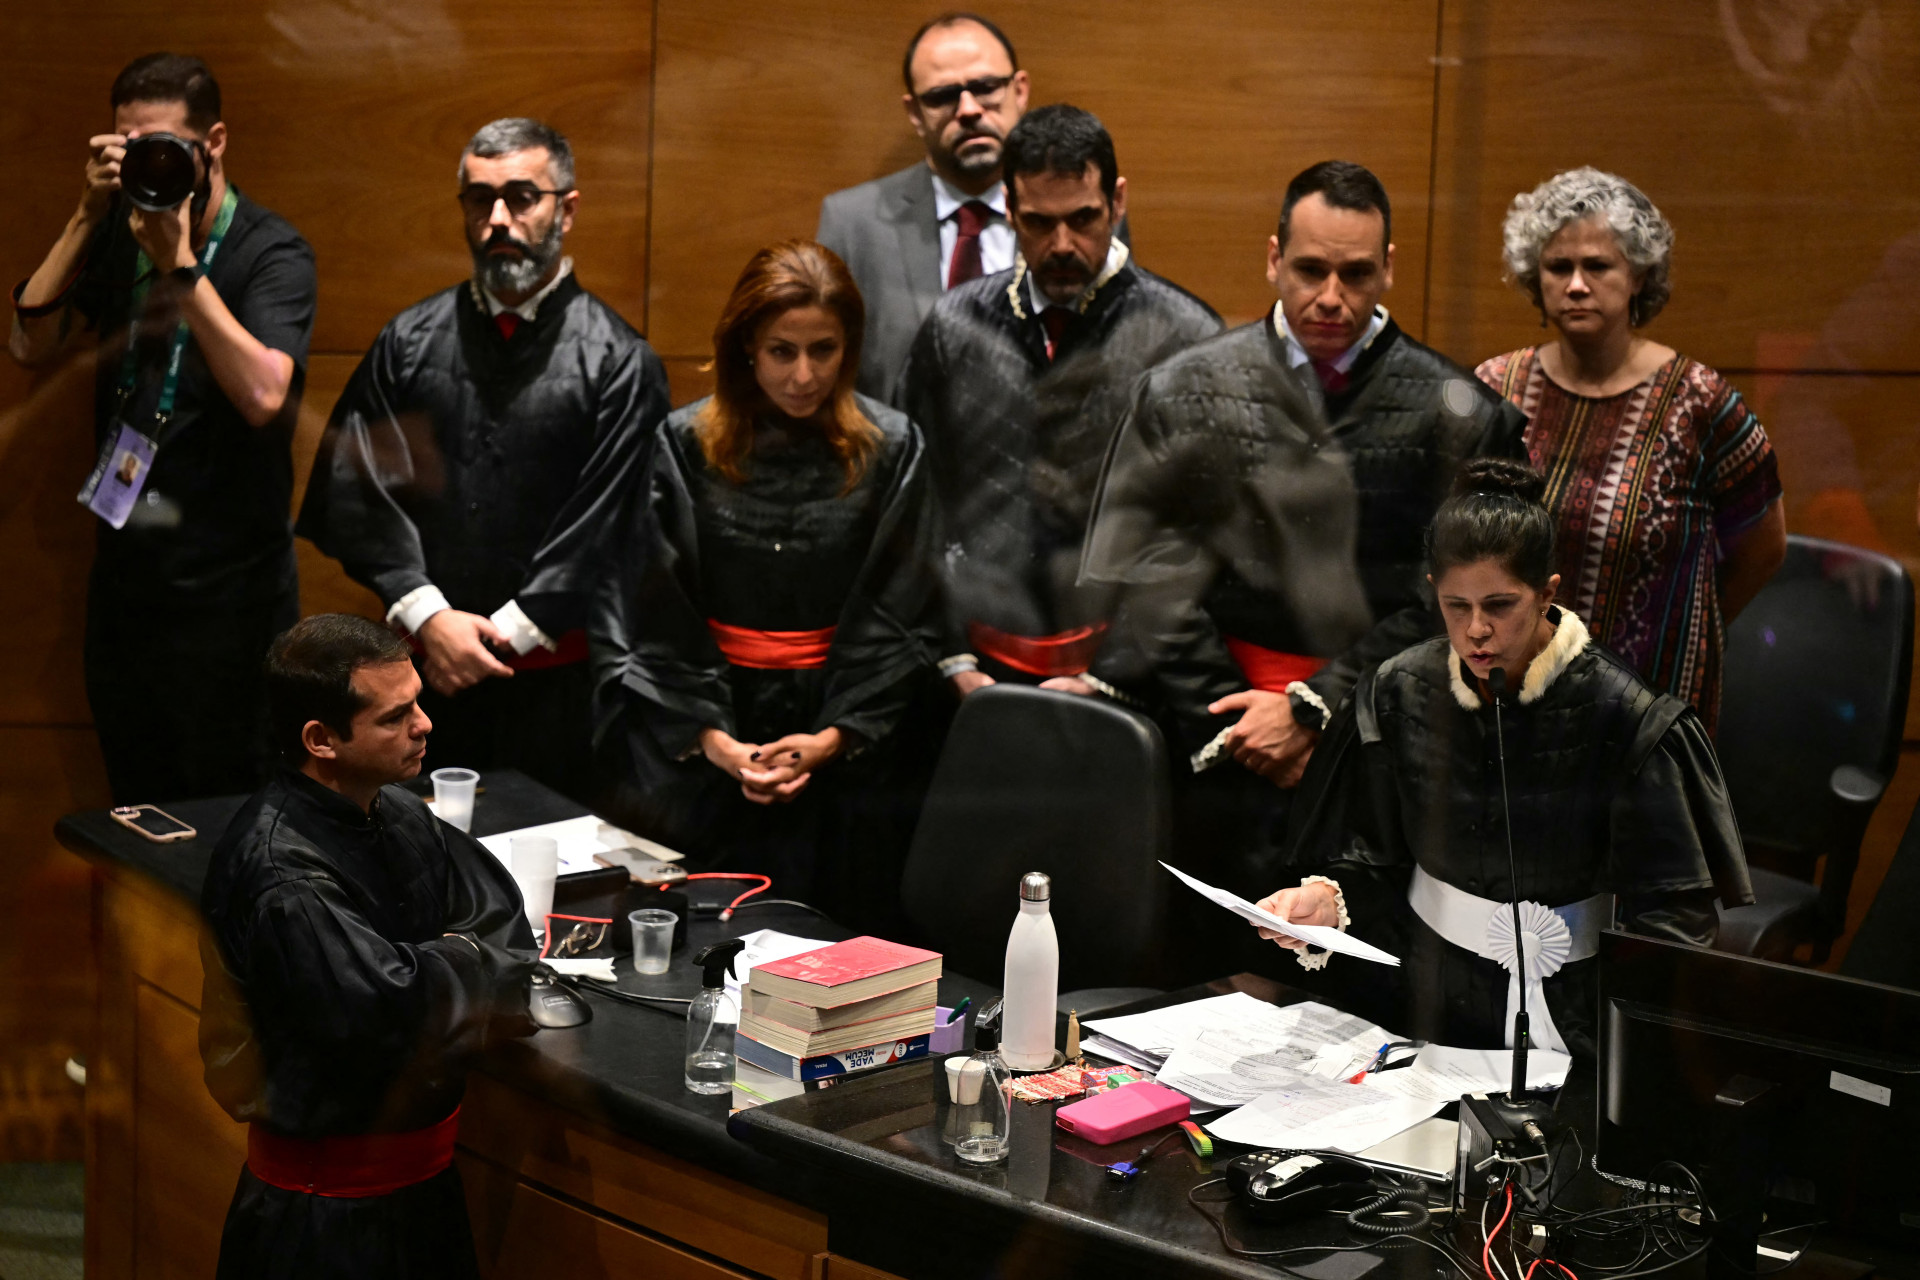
x=1613, y=788
x=491, y=468
x=786, y=550
x=335, y=1006
x=1238, y=500
x=1015, y=440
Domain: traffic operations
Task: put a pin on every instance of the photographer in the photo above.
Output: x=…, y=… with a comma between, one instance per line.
x=202, y=303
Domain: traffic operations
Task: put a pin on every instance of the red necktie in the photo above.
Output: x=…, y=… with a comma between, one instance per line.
x=1055, y=320
x=965, y=264
x=508, y=322
x=1332, y=381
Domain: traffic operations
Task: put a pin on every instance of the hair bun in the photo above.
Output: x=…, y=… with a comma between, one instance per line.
x=1500, y=478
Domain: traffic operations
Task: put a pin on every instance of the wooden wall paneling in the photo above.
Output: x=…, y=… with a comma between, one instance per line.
x=760, y=113
x=1776, y=139
x=187, y=1152
x=46, y=951
x=348, y=119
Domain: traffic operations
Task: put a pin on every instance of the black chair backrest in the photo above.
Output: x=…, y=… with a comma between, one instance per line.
x=1036, y=780
x=1817, y=675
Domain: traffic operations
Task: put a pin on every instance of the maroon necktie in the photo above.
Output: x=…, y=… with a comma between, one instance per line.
x=1054, y=320
x=1332, y=381
x=508, y=322
x=970, y=220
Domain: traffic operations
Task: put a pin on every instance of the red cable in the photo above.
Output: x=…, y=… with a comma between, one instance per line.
x=1486, y=1249
x=766, y=883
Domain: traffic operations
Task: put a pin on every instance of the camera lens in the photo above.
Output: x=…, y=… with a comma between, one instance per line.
x=158, y=172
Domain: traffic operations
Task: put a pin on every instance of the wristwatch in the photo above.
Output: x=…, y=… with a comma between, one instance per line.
x=187, y=277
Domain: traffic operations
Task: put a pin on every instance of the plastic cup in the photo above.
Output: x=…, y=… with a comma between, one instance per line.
x=535, y=863
x=652, y=939
x=453, y=796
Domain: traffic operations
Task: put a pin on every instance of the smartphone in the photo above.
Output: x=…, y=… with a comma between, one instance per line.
x=643, y=869
x=152, y=822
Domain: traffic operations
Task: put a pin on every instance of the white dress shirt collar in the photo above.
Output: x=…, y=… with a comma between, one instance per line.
x=1297, y=354
x=948, y=198
x=1023, y=280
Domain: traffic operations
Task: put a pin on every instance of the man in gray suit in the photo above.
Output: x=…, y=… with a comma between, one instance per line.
x=912, y=235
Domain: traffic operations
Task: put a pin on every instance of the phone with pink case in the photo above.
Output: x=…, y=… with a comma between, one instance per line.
x=1123, y=1113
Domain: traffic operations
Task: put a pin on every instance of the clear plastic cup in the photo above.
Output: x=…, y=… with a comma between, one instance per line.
x=535, y=863
x=453, y=796
x=652, y=939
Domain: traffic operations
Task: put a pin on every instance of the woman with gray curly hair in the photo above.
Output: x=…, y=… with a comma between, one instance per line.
x=1662, y=482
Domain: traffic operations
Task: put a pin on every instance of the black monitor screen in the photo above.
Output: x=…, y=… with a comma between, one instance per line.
x=1839, y=1059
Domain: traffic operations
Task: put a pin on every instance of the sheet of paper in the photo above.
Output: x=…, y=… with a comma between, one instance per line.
x=1125, y=1054
x=1352, y=1117
x=579, y=839
x=600, y=969
x=1271, y=1050
x=1158, y=1033
x=1312, y=934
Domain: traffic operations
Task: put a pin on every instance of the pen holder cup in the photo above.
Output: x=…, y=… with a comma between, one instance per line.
x=947, y=1037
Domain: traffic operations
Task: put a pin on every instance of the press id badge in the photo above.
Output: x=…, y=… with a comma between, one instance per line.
x=119, y=476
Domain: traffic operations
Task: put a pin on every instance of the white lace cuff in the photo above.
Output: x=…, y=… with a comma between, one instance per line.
x=1106, y=690
x=1308, y=958
x=520, y=630
x=1211, y=754
x=411, y=611
x=1314, y=700
x=953, y=666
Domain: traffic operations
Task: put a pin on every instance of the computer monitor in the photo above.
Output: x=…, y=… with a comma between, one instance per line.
x=1837, y=1059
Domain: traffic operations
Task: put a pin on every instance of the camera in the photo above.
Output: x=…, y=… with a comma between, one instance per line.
x=159, y=170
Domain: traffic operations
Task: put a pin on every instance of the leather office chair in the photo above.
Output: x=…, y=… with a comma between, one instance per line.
x=1886, y=948
x=1813, y=710
x=1036, y=780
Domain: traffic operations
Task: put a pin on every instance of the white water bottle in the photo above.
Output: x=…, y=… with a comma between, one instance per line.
x=1032, y=981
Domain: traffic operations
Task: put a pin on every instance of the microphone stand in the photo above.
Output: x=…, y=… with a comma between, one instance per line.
x=1519, y=1108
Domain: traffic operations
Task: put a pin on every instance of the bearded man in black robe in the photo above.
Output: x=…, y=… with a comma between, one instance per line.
x=1018, y=380
x=359, y=954
x=1263, y=512
x=477, y=456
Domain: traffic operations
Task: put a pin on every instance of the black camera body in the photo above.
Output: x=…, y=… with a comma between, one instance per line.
x=160, y=170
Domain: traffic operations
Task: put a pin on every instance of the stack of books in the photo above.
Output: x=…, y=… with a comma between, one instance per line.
x=810, y=1019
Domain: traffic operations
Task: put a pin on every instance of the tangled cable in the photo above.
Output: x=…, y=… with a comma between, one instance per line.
x=1397, y=1210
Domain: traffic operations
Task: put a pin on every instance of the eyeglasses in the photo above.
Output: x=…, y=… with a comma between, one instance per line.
x=478, y=199
x=986, y=91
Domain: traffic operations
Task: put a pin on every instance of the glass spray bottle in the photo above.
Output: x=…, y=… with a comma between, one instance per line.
x=711, y=1020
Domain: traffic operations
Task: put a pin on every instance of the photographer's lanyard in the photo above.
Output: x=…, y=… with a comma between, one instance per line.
x=121, y=471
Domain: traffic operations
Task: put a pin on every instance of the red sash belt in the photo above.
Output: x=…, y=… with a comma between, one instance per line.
x=772, y=650
x=1270, y=669
x=1068, y=653
x=354, y=1165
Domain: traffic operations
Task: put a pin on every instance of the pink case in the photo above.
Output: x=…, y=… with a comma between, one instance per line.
x=1123, y=1113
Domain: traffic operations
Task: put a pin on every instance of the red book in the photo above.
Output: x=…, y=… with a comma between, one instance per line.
x=856, y=969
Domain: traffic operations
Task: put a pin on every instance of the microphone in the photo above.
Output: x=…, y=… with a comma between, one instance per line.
x=1517, y=1090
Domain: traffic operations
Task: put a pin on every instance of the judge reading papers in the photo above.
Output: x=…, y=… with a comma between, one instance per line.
x=1614, y=792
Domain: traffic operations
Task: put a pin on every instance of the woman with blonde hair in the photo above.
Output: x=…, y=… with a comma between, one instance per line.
x=1661, y=480
x=770, y=610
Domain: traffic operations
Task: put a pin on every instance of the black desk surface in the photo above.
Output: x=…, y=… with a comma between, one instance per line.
x=867, y=1151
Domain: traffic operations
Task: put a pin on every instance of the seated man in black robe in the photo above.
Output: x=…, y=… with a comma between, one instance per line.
x=359, y=954
x=1018, y=380
x=478, y=453
x=1264, y=507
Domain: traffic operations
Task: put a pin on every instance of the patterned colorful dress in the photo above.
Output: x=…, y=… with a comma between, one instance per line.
x=1649, y=488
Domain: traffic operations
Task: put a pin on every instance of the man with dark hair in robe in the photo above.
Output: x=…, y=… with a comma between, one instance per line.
x=359, y=954
x=1019, y=379
x=1264, y=510
x=475, y=459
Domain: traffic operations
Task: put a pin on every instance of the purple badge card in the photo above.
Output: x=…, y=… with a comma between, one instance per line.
x=118, y=477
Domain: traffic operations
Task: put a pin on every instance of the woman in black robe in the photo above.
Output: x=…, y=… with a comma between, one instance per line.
x=771, y=615
x=1615, y=796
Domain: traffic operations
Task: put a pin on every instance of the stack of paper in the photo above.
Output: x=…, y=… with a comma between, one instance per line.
x=579, y=840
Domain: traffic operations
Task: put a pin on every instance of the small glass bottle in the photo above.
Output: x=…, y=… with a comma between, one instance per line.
x=983, y=1105
x=711, y=1020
